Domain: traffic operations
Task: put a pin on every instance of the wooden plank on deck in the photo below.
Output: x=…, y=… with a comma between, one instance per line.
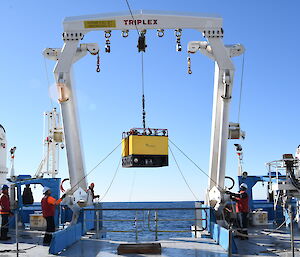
x=150, y=248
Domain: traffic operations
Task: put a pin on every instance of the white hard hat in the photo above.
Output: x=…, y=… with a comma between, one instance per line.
x=244, y=185
x=45, y=189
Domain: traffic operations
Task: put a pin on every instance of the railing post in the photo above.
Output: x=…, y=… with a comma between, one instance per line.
x=97, y=225
x=198, y=218
x=292, y=229
x=156, y=225
x=230, y=243
x=17, y=232
x=135, y=224
x=196, y=227
x=84, y=222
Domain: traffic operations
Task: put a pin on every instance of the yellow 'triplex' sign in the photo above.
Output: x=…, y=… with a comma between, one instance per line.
x=99, y=24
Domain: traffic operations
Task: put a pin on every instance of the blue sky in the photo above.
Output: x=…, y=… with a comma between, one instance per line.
x=109, y=102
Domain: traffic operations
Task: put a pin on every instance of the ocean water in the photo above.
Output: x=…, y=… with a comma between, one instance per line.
x=145, y=224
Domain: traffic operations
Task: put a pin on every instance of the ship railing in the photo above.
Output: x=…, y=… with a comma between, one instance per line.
x=142, y=223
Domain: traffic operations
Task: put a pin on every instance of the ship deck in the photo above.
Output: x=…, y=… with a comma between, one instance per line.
x=269, y=243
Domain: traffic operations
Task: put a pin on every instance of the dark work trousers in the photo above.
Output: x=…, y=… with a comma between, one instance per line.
x=4, y=225
x=242, y=218
x=49, y=230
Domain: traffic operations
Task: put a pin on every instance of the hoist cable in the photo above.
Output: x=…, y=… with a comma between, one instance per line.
x=132, y=185
x=48, y=81
x=241, y=87
x=132, y=16
x=143, y=93
x=142, y=61
x=112, y=181
x=182, y=175
x=142, y=64
x=196, y=165
x=96, y=166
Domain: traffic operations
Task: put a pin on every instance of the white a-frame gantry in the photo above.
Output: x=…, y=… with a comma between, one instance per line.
x=211, y=27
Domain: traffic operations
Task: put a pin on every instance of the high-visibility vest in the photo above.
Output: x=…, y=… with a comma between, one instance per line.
x=4, y=204
x=48, y=205
x=242, y=204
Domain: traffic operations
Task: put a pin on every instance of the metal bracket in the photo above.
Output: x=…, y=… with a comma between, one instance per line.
x=70, y=36
x=54, y=53
x=213, y=33
x=205, y=49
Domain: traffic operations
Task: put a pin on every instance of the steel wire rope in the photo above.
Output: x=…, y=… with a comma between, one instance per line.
x=48, y=81
x=195, y=164
x=114, y=176
x=261, y=234
x=96, y=166
x=142, y=66
x=132, y=185
x=257, y=235
x=10, y=221
x=241, y=87
x=43, y=233
x=143, y=92
x=132, y=15
x=183, y=175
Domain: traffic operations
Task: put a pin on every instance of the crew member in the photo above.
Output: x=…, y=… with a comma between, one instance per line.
x=5, y=212
x=48, y=208
x=27, y=196
x=242, y=209
x=92, y=192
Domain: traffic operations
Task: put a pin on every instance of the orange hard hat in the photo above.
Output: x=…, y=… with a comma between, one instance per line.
x=92, y=184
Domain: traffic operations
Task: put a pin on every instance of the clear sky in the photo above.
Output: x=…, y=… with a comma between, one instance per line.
x=109, y=102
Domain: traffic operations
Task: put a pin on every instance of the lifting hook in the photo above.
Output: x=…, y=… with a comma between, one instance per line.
x=98, y=63
x=107, y=36
x=178, y=33
x=160, y=32
x=189, y=64
x=125, y=33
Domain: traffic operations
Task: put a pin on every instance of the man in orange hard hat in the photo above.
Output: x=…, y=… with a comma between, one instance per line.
x=48, y=208
x=92, y=192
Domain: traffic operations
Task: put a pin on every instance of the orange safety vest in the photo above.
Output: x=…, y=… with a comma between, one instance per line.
x=48, y=205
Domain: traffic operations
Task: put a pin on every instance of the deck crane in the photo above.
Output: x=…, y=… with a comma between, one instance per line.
x=52, y=141
x=75, y=28
x=3, y=155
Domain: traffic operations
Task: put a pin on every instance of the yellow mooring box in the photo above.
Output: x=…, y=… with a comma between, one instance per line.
x=145, y=148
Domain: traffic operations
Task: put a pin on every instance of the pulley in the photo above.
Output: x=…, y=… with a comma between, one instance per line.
x=235, y=132
x=142, y=41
